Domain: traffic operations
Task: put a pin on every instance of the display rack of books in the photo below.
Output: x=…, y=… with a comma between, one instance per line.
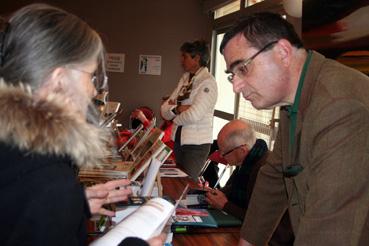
x=108, y=171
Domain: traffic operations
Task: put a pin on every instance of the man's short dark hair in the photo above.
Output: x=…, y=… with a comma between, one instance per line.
x=262, y=28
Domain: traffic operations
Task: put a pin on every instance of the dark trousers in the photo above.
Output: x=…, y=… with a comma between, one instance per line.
x=190, y=158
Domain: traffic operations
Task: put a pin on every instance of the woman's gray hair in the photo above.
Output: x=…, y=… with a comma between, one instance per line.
x=41, y=38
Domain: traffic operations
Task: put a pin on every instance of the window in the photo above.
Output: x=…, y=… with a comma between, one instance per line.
x=251, y=2
x=263, y=121
x=227, y=9
x=226, y=98
x=218, y=124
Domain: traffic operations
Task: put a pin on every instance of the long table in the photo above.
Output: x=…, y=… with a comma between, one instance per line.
x=173, y=188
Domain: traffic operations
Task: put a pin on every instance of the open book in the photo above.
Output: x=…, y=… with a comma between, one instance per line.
x=147, y=221
x=199, y=214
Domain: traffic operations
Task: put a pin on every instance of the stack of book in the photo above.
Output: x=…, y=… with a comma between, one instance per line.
x=117, y=169
x=108, y=171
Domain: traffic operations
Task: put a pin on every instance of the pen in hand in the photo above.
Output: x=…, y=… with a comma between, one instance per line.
x=203, y=183
x=221, y=175
x=101, y=224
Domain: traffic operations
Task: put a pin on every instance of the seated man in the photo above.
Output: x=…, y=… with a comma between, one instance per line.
x=239, y=147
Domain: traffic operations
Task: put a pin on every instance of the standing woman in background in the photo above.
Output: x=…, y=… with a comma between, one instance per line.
x=191, y=107
x=51, y=64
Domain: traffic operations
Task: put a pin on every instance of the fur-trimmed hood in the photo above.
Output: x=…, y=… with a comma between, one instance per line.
x=47, y=127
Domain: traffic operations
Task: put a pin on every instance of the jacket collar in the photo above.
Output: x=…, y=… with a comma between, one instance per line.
x=47, y=127
x=200, y=74
x=256, y=153
x=310, y=80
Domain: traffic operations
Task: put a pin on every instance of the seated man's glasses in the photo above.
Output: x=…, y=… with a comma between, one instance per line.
x=231, y=150
x=240, y=68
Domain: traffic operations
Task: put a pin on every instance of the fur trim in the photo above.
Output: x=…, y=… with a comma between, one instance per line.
x=47, y=127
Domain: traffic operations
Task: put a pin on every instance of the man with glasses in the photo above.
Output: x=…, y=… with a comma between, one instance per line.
x=319, y=168
x=239, y=147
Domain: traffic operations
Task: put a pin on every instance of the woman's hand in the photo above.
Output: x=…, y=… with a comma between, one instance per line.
x=109, y=192
x=158, y=240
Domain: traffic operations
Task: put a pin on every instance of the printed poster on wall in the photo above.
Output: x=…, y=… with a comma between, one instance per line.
x=149, y=64
x=115, y=62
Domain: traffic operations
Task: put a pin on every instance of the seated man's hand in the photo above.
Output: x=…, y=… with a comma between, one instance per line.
x=106, y=193
x=216, y=199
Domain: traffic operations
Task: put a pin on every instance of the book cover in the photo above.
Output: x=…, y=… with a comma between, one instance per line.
x=145, y=143
x=224, y=219
x=194, y=217
x=142, y=163
x=204, y=218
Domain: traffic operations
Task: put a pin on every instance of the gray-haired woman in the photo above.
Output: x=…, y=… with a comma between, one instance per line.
x=51, y=63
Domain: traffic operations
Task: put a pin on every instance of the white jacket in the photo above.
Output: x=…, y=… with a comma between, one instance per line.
x=197, y=121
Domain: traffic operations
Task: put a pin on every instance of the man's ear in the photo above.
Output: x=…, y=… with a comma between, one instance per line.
x=245, y=149
x=284, y=52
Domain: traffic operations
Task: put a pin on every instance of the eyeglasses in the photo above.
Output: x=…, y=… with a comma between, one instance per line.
x=98, y=80
x=240, y=69
x=231, y=150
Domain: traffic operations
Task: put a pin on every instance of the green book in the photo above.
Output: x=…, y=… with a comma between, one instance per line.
x=224, y=219
x=215, y=218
